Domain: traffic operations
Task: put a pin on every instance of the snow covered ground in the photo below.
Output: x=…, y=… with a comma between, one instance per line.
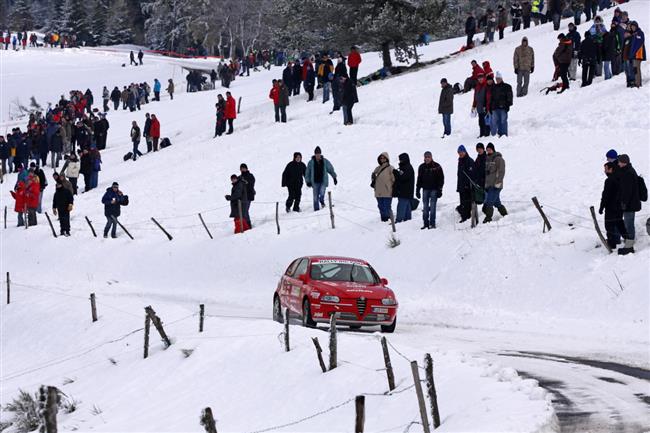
x=467, y=296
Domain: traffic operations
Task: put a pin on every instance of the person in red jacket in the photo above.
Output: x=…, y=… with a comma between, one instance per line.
x=488, y=70
x=231, y=112
x=154, y=132
x=32, y=195
x=274, y=94
x=354, y=59
x=19, y=208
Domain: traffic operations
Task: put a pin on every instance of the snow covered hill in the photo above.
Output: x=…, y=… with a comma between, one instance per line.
x=504, y=285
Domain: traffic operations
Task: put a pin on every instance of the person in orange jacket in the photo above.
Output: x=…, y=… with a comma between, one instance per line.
x=19, y=208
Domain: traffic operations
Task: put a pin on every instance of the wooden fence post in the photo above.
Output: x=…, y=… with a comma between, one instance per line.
x=239, y=106
x=161, y=228
x=122, y=227
x=8, y=289
x=360, y=409
x=207, y=421
x=541, y=212
x=51, y=226
x=147, y=326
x=319, y=353
x=277, y=216
x=201, y=315
x=389, y=367
x=48, y=404
x=431, y=390
x=205, y=226
x=286, y=331
x=158, y=325
x=329, y=199
x=93, y=307
x=420, y=395
x=597, y=227
x=92, y=229
x=333, y=353
x=5, y=216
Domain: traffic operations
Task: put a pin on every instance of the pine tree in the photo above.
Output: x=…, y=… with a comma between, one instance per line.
x=167, y=23
x=118, y=28
x=74, y=20
x=21, y=15
x=98, y=22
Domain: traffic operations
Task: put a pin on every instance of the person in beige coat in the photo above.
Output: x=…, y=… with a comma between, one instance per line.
x=170, y=88
x=524, y=63
x=382, y=181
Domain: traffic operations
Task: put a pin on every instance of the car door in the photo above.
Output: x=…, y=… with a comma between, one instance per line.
x=286, y=284
x=297, y=285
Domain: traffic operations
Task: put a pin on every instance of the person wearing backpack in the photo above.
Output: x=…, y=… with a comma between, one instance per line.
x=630, y=199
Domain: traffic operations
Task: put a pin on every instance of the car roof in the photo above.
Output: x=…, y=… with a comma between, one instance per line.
x=335, y=258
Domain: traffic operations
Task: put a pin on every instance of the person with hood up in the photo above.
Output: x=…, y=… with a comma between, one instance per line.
x=481, y=104
x=113, y=199
x=495, y=171
x=317, y=176
x=238, y=199
x=562, y=59
x=116, y=95
x=487, y=69
x=382, y=181
x=62, y=206
x=611, y=205
x=431, y=179
x=637, y=52
x=404, y=186
x=464, y=181
x=524, y=63
x=292, y=179
x=446, y=105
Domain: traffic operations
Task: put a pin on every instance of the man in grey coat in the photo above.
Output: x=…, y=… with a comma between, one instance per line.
x=495, y=171
x=524, y=62
x=446, y=105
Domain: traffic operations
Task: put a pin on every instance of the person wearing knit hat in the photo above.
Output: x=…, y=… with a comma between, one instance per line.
x=464, y=183
x=113, y=200
x=612, y=156
x=630, y=199
x=495, y=171
x=479, y=171
x=431, y=179
x=382, y=181
x=317, y=177
x=446, y=105
x=292, y=178
x=249, y=182
x=481, y=103
x=500, y=104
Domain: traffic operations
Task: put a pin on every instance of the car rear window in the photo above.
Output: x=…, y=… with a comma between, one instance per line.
x=343, y=271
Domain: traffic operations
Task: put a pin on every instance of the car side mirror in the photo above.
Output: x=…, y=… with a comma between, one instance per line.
x=303, y=278
x=384, y=281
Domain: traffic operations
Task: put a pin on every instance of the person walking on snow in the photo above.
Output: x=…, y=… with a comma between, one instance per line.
x=113, y=200
x=524, y=63
x=292, y=179
x=446, y=105
x=495, y=171
x=140, y=56
x=317, y=177
x=382, y=180
x=132, y=58
x=135, y=139
x=62, y=206
x=430, y=181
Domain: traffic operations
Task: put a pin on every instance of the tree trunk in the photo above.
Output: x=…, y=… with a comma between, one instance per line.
x=385, y=54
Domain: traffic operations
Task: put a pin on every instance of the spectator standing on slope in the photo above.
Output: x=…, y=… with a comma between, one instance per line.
x=470, y=30
x=106, y=96
x=588, y=58
x=430, y=181
x=135, y=139
x=116, y=95
x=562, y=59
x=146, y=132
x=637, y=52
x=113, y=200
x=354, y=60
x=404, y=187
x=292, y=179
x=249, y=182
x=287, y=77
x=479, y=171
x=62, y=206
x=502, y=18
x=515, y=14
x=464, y=181
x=446, y=105
x=170, y=88
x=238, y=200
x=576, y=39
x=132, y=58
x=154, y=131
x=481, y=104
x=317, y=177
x=348, y=99
x=140, y=56
x=230, y=112
x=526, y=11
x=495, y=171
x=156, y=89
x=610, y=203
x=382, y=181
x=71, y=171
x=20, y=206
x=500, y=104
x=220, y=124
x=524, y=63
x=630, y=200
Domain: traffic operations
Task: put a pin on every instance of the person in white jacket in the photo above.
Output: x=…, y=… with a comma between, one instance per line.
x=71, y=170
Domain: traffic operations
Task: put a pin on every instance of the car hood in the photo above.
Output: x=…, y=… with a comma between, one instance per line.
x=348, y=289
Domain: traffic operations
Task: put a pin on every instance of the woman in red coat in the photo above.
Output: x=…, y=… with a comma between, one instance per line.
x=32, y=194
x=354, y=60
x=154, y=132
x=19, y=208
x=231, y=112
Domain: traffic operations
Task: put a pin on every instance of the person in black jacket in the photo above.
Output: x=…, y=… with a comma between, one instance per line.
x=146, y=132
x=249, y=182
x=500, y=105
x=470, y=29
x=292, y=179
x=287, y=77
x=464, y=183
x=431, y=179
x=479, y=166
x=610, y=49
x=609, y=202
x=575, y=45
x=340, y=71
x=101, y=132
x=116, y=95
x=446, y=105
x=587, y=58
x=113, y=199
x=348, y=100
x=238, y=194
x=404, y=185
x=629, y=199
x=297, y=77
x=61, y=206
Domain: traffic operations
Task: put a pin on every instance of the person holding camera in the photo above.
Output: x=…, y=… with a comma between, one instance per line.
x=113, y=199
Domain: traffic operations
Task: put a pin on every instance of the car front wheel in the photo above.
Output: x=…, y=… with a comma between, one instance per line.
x=306, y=315
x=277, y=310
x=389, y=328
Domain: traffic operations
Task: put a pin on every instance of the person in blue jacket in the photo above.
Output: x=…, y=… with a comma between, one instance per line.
x=317, y=176
x=637, y=52
x=156, y=89
x=113, y=199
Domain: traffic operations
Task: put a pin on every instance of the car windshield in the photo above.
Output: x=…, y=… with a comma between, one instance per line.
x=343, y=271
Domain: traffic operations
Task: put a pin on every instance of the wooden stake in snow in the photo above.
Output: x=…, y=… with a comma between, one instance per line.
x=201, y=315
x=50, y=223
x=147, y=327
x=207, y=421
x=161, y=228
x=277, y=216
x=93, y=307
x=360, y=409
x=333, y=353
x=541, y=212
x=389, y=367
x=597, y=227
x=286, y=331
x=431, y=390
x=5, y=216
x=158, y=325
x=48, y=405
x=319, y=353
x=8, y=289
x=329, y=199
x=92, y=229
x=420, y=395
x=205, y=226
x=122, y=227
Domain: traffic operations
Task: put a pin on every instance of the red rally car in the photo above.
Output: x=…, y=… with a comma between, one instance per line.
x=315, y=287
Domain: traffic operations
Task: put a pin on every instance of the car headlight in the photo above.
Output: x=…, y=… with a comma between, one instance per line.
x=329, y=298
x=388, y=301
